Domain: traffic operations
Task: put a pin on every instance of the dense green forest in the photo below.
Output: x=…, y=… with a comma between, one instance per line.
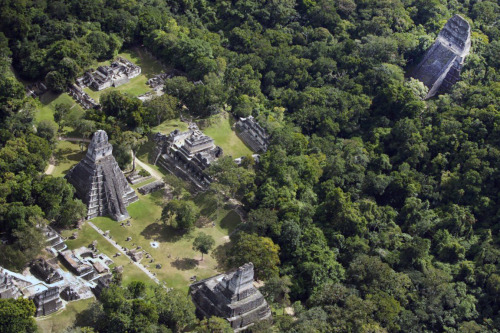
x=372, y=211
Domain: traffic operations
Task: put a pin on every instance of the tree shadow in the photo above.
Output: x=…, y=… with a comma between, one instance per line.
x=221, y=255
x=48, y=97
x=68, y=154
x=207, y=203
x=146, y=150
x=230, y=221
x=90, y=316
x=184, y=264
x=162, y=233
x=158, y=197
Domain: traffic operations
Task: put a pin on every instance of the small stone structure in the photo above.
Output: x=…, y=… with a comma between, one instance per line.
x=102, y=283
x=231, y=296
x=77, y=265
x=441, y=65
x=82, y=97
x=45, y=271
x=100, y=183
x=158, y=80
x=100, y=267
x=135, y=178
x=47, y=301
x=151, y=187
x=119, y=72
x=54, y=240
x=8, y=289
x=36, y=89
x=69, y=294
x=252, y=134
x=135, y=255
x=187, y=154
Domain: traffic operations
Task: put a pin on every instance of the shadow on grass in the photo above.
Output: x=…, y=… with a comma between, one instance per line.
x=68, y=154
x=158, y=197
x=90, y=316
x=48, y=97
x=220, y=253
x=207, y=203
x=162, y=233
x=184, y=264
x=149, y=65
x=230, y=221
x=146, y=150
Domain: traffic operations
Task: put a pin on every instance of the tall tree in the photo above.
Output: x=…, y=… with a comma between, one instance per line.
x=203, y=243
x=134, y=141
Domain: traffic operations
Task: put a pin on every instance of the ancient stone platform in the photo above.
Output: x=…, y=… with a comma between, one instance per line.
x=440, y=68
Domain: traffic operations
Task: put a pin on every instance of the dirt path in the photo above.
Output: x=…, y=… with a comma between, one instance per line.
x=50, y=169
x=149, y=169
x=63, y=138
x=119, y=248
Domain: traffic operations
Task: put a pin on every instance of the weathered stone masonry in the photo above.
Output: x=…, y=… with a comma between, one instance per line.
x=441, y=66
x=100, y=183
x=231, y=296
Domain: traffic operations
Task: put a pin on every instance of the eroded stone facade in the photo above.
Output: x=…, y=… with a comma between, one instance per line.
x=119, y=72
x=231, y=296
x=47, y=301
x=100, y=183
x=254, y=135
x=187, y=154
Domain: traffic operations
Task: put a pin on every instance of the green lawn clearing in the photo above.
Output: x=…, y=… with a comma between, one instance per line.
x=220, y=130
x=138, y=85
x=49, y=101
x=67, y=154
x=179, y=261
x=87, y=235
x=63, y=319
x=168, y=126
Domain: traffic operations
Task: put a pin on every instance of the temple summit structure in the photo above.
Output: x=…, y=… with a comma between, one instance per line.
x=440, y=68
x=231, y=296
x=100, y=183
x=187, y=154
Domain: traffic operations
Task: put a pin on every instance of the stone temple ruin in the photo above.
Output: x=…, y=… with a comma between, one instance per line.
x=47, y=301
x=102, y=283
x=441, y=65
x=231, y=296
x=51, y=287
x=120, y=72
x=100, y=183
x=45, y=271
x=252, y=134
x=8, y=288
x=82, y=97
x=187, y=154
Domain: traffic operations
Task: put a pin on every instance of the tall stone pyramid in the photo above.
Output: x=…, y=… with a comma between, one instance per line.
x=440, y=68
x=231, y=296
x=100, y=183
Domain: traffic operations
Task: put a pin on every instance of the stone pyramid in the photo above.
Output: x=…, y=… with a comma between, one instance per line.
x=440, y=68
x=100, y=183
x=231, y=296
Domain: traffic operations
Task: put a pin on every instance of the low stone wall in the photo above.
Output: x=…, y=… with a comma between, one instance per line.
x=151, y=187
